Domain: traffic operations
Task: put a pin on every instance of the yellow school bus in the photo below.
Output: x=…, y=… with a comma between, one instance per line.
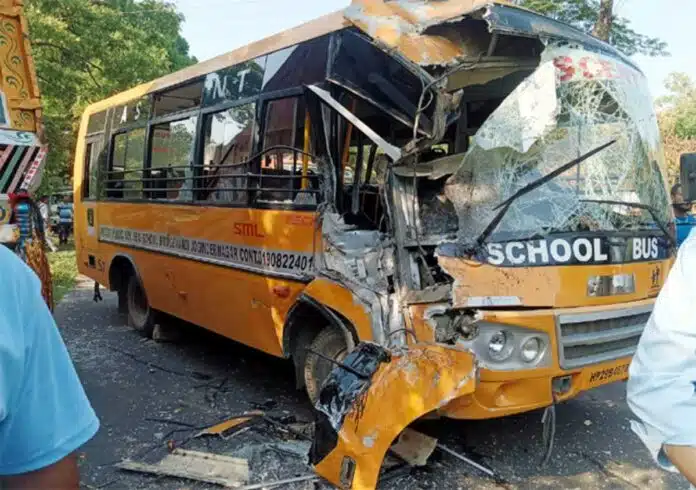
x=459, y=174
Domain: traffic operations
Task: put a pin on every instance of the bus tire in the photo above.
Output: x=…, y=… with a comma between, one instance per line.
x=140, y=315
x=332, y=343
x=123, y=300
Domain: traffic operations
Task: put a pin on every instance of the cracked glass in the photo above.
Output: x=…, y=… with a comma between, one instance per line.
x=574, y=102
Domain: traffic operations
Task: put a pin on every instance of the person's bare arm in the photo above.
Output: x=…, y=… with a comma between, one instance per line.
x=60, y=476
x=684, y=458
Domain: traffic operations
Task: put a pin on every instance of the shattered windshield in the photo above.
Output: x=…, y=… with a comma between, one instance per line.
x=574, y=102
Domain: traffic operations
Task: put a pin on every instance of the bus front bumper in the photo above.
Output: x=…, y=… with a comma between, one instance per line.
x=588, y=347
x=495, y=397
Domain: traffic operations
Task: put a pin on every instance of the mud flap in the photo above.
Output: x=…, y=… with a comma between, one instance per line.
x=363, y=407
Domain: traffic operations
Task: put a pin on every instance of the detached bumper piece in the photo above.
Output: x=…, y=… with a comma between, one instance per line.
x=362, y=409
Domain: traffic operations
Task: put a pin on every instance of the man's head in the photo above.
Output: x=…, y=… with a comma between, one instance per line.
x=66, y=199
x=44, y=199
x=680, y=207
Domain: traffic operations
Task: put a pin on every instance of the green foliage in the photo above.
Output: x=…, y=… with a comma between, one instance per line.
x=583, y=14
x=677, y=114
x=680, y=105
x=64, y=271
x=86, y=50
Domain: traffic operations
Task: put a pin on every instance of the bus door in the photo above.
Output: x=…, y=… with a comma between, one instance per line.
x=85, y=216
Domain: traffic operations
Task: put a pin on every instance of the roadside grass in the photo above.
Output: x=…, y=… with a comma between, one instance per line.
x=64, y=270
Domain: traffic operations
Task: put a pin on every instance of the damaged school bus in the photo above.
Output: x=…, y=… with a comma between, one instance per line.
x=472, y=189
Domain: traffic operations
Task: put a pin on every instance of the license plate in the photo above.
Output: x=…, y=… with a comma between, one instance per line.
x=608, y=375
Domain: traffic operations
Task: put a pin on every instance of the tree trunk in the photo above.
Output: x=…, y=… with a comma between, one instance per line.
x=602, y=28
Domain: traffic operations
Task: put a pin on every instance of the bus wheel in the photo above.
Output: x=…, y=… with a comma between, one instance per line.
x=140, y=315
x=331, y=343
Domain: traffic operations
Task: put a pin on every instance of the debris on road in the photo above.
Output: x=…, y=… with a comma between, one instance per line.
x=414, y=447
x=166, y=334
x=278, y=483
x=223, y=429
x=466, y=460
x=195, y=465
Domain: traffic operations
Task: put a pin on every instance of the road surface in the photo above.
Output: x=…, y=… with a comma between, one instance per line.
x=144, y=391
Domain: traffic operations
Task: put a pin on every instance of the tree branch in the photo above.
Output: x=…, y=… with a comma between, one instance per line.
x=66, y=51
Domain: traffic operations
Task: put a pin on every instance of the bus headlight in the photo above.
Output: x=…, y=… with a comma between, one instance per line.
x=501, y=347
x=531, y=349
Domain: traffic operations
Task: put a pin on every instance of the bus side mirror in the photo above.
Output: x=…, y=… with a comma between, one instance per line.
x=687, y=168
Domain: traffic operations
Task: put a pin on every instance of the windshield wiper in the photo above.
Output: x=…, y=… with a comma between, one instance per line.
x=505, y=205
x=650, y=209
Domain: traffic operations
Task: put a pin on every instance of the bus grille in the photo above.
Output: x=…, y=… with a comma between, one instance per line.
x=599, y=337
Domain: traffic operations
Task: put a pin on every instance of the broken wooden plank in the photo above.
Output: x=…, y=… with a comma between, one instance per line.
x=198, y=466
x=414, y=447
x=222, y=427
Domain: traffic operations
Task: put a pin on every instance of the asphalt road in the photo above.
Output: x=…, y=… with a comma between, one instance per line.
x=147, y=393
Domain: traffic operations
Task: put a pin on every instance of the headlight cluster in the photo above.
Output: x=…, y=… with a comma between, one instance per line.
x=508, y=348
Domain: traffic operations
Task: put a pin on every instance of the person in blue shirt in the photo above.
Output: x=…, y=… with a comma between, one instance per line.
x=44, y=413
x=683, y=220
x=65, y=220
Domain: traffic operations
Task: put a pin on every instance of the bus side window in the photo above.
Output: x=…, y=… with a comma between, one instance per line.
x=288, y=174
x=88, y=171
x=171, y=152
x=94, y=157
x=222, y=176
x=124, y=179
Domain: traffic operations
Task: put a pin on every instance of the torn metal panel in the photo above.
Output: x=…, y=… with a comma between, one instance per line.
x=234, y=422
x=444, y=33
x=339, y=393
x=434, y=169
x=392, y=151
x=398, y=25
x=353, y=435
x=433, y=294
x=486, y=72
x=451, y=324
x=361, y=261
x=362, y=257
x=509, y=20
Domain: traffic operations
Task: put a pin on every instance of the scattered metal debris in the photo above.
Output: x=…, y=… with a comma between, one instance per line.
x=466, y=460
x=223, y=428
x=198, y=466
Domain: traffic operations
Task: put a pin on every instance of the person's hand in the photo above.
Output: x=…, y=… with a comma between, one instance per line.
x=63, y=475
x=684, y=458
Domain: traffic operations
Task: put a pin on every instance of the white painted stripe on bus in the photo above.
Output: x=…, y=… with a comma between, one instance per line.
x=282, y=263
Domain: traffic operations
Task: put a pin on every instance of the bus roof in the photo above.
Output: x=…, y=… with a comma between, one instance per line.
x=310, y=30
x=397, y=24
